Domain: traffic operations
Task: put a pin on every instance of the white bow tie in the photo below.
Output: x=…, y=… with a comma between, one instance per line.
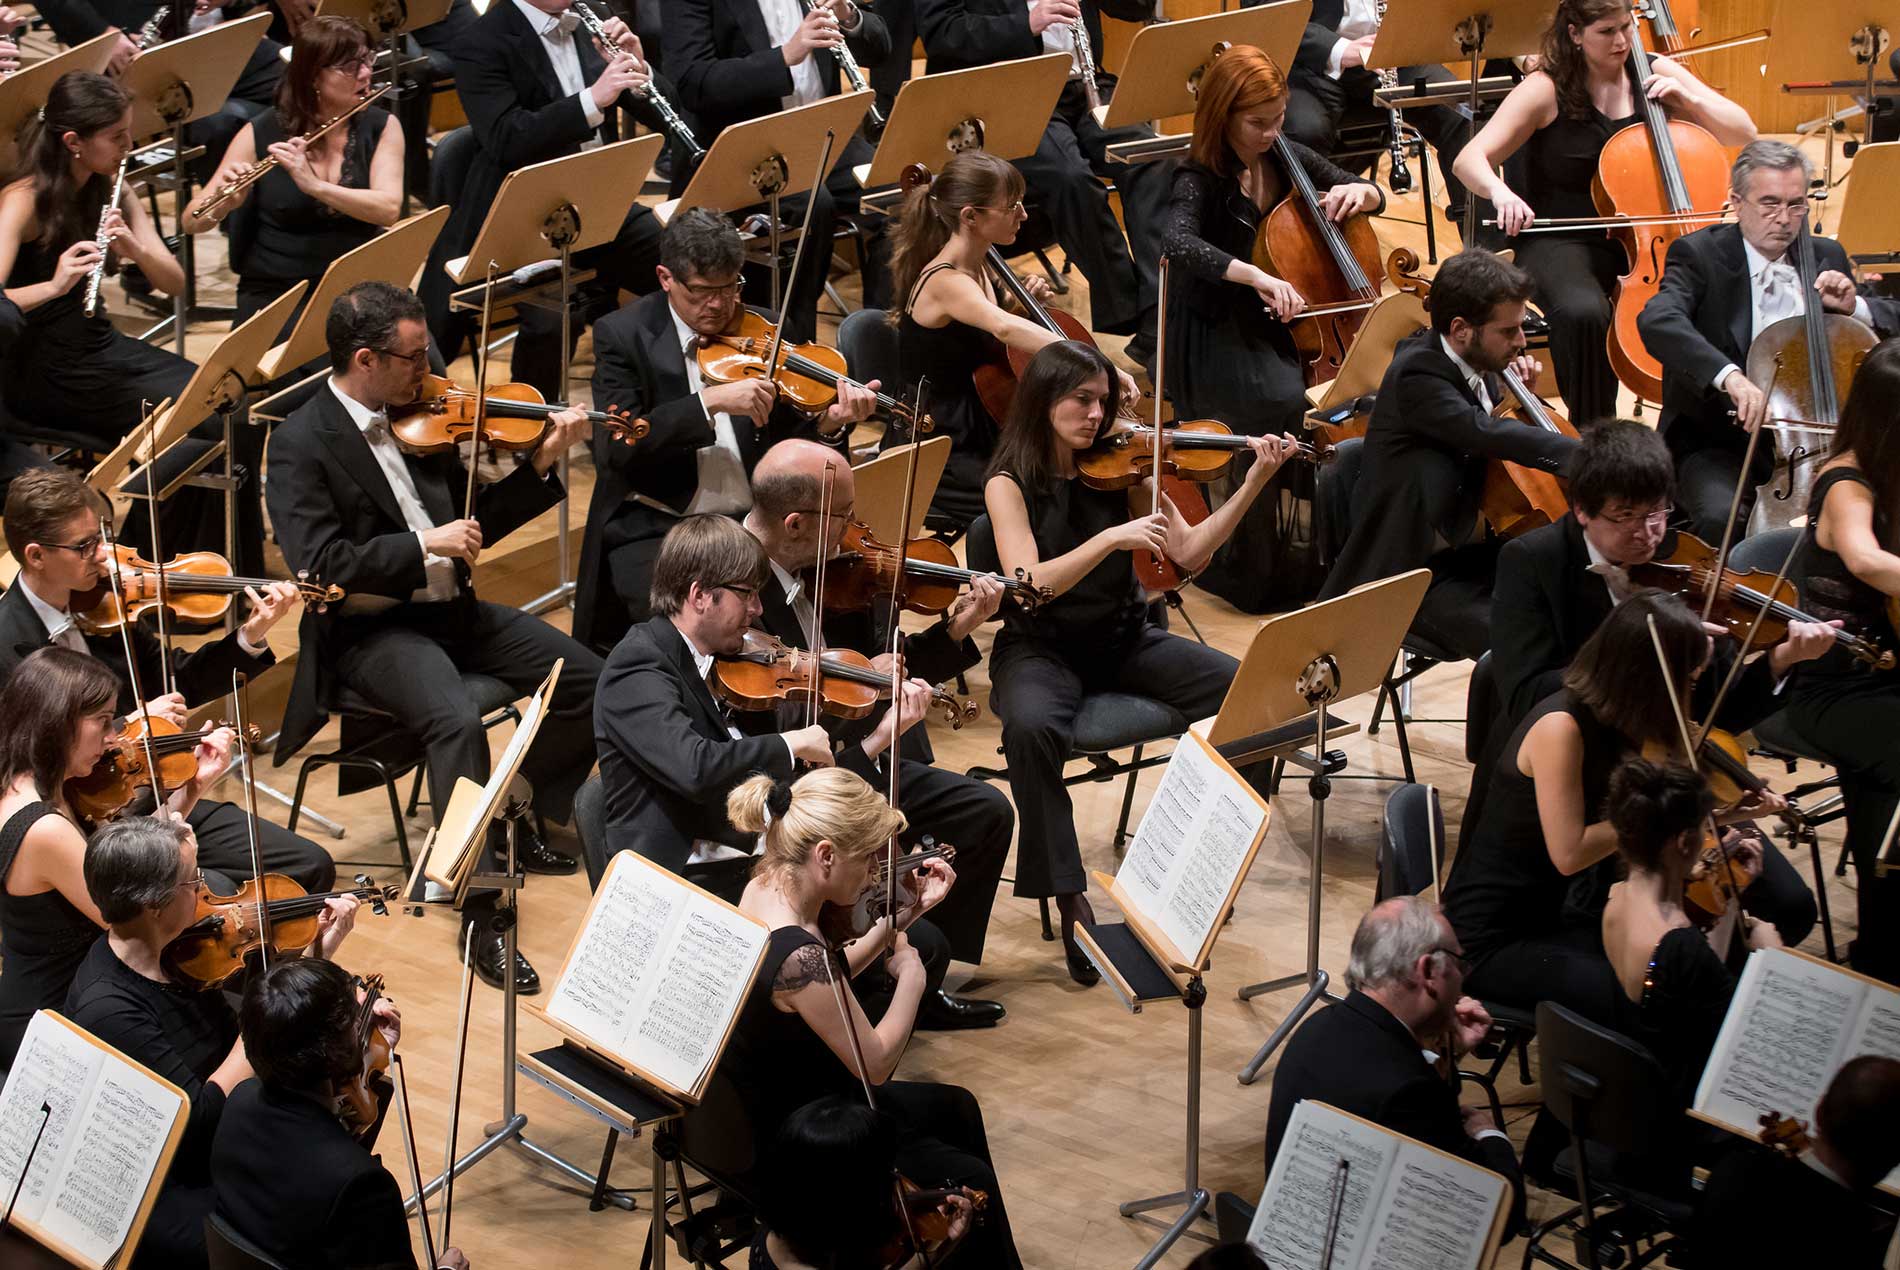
x=377, y=422
x=563, y=25
x=1776, y=276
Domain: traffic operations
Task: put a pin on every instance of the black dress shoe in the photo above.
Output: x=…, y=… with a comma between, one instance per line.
x=941, y=1012
x=490, y=949
x=536, y=856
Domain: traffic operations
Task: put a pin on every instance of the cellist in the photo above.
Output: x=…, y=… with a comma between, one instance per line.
x=1562, y=115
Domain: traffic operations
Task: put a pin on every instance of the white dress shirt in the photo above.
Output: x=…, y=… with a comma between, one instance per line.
x=557, y=37
x=1360, y=20
x=374, y=425
x=59, y=626
x=723, y=485
x=800, y=603
x=1472, y=378
x=781, y=24
x=1058, y=37
x=1775, y=292
x=1616, y=579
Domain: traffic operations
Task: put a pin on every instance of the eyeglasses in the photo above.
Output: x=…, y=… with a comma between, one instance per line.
x=712, y=290
x=418, y=358
x=849, y=513
x=1458, y=959
x=743, y=592
x=192, y=883
x=1775, y=209
x=1628, y=520
x=84, y=547
x=1011, y=210
x=351, y=65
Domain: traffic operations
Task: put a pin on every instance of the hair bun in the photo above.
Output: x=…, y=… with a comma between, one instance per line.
x=779, y=801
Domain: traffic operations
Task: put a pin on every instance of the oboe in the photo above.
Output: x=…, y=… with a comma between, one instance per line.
x=1389, y=80
x=149, y=32
x=1085, y=63
x=853, y=73
x=669, y=117
x=102, y=242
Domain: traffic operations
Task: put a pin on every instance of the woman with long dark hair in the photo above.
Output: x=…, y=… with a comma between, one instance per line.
x=1561, y=115
x=1097, y=634
x=950, y=312
x=1848, y=568
x=323, y=198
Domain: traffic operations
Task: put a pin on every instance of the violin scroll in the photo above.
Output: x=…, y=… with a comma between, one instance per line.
x=1028, y=595
x=956, y=710
x=1785, y=1134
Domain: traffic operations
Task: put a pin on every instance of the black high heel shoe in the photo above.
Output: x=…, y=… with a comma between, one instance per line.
x=1081, y=969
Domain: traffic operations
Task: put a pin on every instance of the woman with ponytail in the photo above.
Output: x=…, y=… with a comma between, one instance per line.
x=802, y=1027
x=950, y=312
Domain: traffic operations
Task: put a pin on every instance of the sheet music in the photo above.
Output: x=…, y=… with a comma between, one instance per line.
x=1436, y=1214
x=1877, y=1032
x=53, y=1066
x=1289, y=1227
x=116, y=1145
x=605, y=973
x=1190, y=847
x=707, y=975
x=1781, y=1042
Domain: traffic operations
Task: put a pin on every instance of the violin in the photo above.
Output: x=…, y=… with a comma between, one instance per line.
x=123, y=767
x=270, y=912
x=509, y=416
x=1716, y=882
x=1516, y=498
x=1785, y=1134
x=842, y=923
x=1806, y=364
x=769, y=673
x=198, y=588
x=1671, y=177
x=1334, y=266
x=360, y=1100
x=1741, y=597
x=923, y=1225
x=807, y=375
x=1195, y=450
x=865, y=569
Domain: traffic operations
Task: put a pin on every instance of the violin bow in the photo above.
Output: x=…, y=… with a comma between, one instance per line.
x=798, y=255
x=455, y=1096
x=481, y=394
x=896, y=636
x=415, y=1170
x=1735, y=666
x=1161, y=366
x=158, y=551
x=240, y=693
x=131, y=658
x=821, y=554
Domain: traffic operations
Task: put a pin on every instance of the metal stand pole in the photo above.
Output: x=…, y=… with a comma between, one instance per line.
x=778, y=293
x=1192, y=1194
x=562, y=228
x=1471, y=35
x=1319, y=685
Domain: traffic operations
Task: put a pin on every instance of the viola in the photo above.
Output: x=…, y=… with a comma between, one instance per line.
x=124, y=767
x=842, y=923
x=1741, y=597
x=768, y=673
x=360, y=1100
x=1806, y=364
x=1195, y=450
x=1516, y=498
x=1671, y=177
x=271, y=912
x=807, y=375
x=1334, y=266
x=1716, y=882
x=865, y=569
x=197, y=587
x=923, y=1225
x=509, y=417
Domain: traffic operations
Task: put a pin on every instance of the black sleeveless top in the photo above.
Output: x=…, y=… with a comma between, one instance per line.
x=43, y=938
x=1503, y=886
x=61, y=323
x=282, y=232
x=1105, y=608
x=774, y=1060
x=948, y=355
x=1830, y=590
x=1686, y=994
x=1561, y=162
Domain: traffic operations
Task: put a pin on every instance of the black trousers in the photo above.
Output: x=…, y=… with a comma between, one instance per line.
x=411, y=664
x=1567, y=965
x=1063, y=179
x=224, y=850
x=1574, y=279
x=976, y=819
x=1038, y=688
x=804, y=289
x=941, y=1141
x=625, y=262
x=1781, y=896
x=1705, y=490
x=1316, y=105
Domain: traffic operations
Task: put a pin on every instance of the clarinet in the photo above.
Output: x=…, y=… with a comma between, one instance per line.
x=149, y=32
x=1085, y=63
x=100, y=240
x=854, y=75
x=669, y=117
x=1389, y=79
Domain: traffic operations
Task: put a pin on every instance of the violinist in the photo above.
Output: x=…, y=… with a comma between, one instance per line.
x=324, y=197
x=1848, y=568
x=1562, y=114
x=1721, y=287
x=142, y=874
x=787, y=488
x=1417, y=499
x=57, y=716
x=52, y=530
x=822, y=837
x=1097, y=633
x=76, y=373
x=299, y=1027
x=352, y=508
x=705, y=437
x=948, y=312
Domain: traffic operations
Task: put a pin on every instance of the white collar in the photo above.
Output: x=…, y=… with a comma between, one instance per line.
x=360, y=415
x=687, y=336
x=1757, y=262
x=703, y=661
x=543, y=23
x=790, y=583
x=1597, y=558
x=1472, y=377
x=54, y=620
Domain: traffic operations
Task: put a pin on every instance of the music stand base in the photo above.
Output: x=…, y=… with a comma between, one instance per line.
x=1314, y=992
x=1193, y=1196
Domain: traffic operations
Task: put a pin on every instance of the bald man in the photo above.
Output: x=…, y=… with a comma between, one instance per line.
x=787, y=489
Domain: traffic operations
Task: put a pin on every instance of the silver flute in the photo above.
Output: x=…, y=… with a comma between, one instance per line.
x=669, y=117
x=853, y=73
x=1085, y=63
x=149, y=32
x=98, y=275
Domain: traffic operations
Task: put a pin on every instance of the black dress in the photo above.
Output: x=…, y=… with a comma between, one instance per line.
x=43, y=938
x=1839, y=707
x=1575, y=272
x=949, y=355
x=282, y=236
x=1507, y=900
x=777, y=1064
x=182, y=1035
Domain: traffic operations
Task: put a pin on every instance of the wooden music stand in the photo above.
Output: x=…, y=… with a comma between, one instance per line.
x=24, y=91
x=1394, y=317
x=1300, y=664
x=881, y=480
x=770, y=158
x=177, y=83
x=385, y=19
x=933, y=119
x=1870, y=210
x=560, y=207
x=1161, y=74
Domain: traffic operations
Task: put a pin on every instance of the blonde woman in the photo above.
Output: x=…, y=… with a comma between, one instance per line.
x=823, y=837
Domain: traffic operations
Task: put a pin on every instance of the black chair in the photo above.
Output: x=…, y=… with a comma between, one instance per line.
x=1481, y=706
x=448, y=167
x=869, y=344
x=1105, y=722
x=1612, y=1095
x=228, y=1250
x=1413, y=820
x=716, y=1139
x=386, y=752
